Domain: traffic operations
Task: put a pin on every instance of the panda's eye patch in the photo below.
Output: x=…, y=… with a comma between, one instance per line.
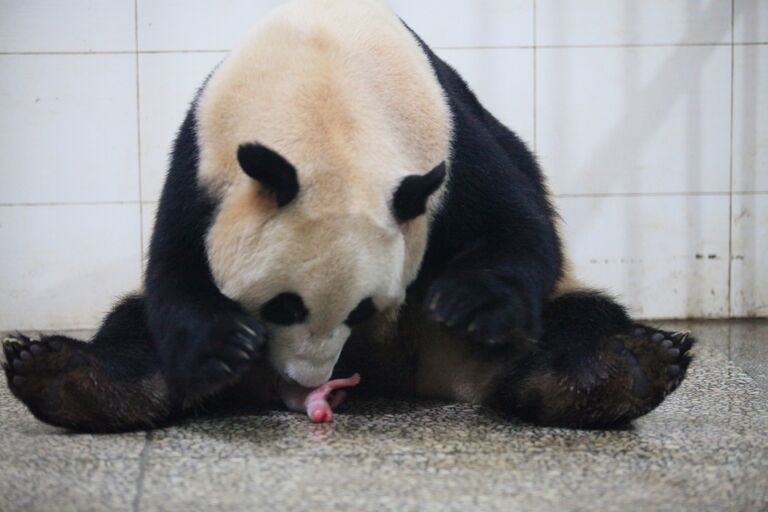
x=361, y=313
x=285, y=309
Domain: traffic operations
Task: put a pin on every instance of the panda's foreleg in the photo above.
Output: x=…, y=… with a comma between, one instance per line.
x=112, y=384
x=491, y=291
x=593, y=367
x=205, y=340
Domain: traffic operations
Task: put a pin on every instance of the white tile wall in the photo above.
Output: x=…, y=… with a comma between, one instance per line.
x=750, y=118
x=631, y=22
x=63, y=265
x=68, y=128
x=642, y=118
x=635, y=120
x=750, y=21
x=469, y=23
x=749, y=278
x=172, y=25
x=503, y=81
x=71, y=26
x=167, y=83
x=665, y=256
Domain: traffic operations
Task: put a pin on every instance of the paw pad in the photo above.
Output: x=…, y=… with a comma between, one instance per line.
x=671, y=352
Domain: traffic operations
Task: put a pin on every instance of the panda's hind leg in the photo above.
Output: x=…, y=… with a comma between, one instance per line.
x=111, y=384
x=594, y=367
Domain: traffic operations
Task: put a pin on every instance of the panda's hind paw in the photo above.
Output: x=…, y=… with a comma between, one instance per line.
x=663, y=356
x=627, y=376
x=37, y=368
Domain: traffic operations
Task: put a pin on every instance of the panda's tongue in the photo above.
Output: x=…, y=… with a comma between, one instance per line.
x=318, y=403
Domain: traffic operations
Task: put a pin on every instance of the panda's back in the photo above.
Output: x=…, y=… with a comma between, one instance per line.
x=323, y=82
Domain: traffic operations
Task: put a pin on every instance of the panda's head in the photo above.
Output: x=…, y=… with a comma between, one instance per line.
x=321, y=138
x=315, y=259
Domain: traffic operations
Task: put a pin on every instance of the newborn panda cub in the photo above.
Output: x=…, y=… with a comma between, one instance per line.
x=340, y=203
x=316, y=402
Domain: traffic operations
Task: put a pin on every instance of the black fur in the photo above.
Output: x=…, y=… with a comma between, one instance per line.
x=494, y=255
x=113, y=383
x=271, y=169
x=362, y=312
x=410, y=199
x=285, y=309
x=593, y=367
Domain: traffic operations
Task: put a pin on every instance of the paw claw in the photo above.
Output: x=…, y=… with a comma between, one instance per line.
x=21, y=338
x=245, y=342
x=434, y=301
x=686, y=342
x=223, y=347
x=241, y=355
x=225, y=367
x=247, y=329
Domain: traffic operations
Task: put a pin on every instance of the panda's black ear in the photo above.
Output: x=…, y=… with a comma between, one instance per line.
x=411, y=197
x=271, y=170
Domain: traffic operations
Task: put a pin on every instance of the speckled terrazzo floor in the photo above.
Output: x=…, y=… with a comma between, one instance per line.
x=706, y=448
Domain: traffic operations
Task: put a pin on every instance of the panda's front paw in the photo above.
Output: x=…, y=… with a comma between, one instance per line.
x=212, y=353
x=484, y=307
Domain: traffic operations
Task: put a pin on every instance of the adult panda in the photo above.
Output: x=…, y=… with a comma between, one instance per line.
x=339, y=199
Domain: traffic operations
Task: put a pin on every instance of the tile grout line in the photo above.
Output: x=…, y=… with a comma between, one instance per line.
x=587, y=46
x=138, y=132
x=107, y=52
x=500, y=47
x=656, y=194
x=730, y=172
x=143, y=457
x=564, y=195
x=73, y=203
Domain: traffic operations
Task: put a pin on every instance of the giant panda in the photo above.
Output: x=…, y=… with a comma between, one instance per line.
x=339, y=201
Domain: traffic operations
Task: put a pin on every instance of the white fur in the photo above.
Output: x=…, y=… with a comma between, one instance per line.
x=342, y=90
